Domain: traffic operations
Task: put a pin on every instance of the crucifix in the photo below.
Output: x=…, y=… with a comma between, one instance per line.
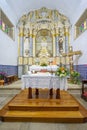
x=70, y=55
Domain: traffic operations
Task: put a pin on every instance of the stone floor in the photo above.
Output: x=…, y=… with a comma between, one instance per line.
x=7, y=92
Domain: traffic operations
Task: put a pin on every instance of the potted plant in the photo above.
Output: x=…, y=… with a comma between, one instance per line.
x=2, y=75
x=75, y=77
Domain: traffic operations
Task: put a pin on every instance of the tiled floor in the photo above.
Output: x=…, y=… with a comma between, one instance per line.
x=41, y=126
x=6, y=94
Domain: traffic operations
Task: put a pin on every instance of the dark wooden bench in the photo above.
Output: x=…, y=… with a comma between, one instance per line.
x=11, y=78
x=84, y=90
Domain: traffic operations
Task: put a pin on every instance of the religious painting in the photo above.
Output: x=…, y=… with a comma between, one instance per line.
x=61, y=44
x=26, y=47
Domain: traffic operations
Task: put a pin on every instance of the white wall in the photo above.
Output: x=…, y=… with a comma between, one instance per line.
x=8, y=50
x=8, y=47
x=81, y=42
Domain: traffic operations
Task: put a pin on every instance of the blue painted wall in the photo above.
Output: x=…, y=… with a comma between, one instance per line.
x=82, y=69
x=9, y=69
x=13, y=70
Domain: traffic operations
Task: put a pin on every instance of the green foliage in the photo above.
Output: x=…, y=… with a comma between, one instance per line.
x=43, y=64
x=75, y=77
x=2, y=75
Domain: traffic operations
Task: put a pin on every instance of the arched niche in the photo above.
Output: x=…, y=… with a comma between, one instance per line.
x=44, y=43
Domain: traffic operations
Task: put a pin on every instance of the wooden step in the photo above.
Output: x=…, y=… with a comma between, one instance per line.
x=44, y=106
x=44, y=116
x=63, y=110
x=65, y=103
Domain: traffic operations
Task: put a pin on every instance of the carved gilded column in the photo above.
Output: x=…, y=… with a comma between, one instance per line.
x=57, y=44
x=30, y=47
x=54, y=54
x=21, y=51
x=66, y=33
x=21, y=41
x=31, y=44
x=28, y=35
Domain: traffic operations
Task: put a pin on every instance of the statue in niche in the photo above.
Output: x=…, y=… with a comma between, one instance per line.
x=44, y=51
x=60, y=44
x=44, y=41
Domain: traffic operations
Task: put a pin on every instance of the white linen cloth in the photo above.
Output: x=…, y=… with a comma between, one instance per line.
x=39, y=68
x=44, y=81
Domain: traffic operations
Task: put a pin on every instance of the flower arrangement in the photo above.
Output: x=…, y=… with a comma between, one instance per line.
x=75, y=77
x=2, y=75
x=62, y=72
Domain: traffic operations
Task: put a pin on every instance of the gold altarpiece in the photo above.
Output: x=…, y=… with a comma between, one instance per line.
x=44, y=35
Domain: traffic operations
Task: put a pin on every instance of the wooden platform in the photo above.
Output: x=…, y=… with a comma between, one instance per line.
x=44, y=108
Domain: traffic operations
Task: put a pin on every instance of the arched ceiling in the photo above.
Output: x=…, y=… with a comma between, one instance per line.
x=21, y=7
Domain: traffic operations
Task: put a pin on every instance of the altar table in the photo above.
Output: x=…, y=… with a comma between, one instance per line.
x=44, y=81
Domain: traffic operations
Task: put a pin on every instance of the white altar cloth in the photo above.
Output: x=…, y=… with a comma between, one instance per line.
x=44, y=81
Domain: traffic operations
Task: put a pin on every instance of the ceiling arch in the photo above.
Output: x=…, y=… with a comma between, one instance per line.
x=21, y=7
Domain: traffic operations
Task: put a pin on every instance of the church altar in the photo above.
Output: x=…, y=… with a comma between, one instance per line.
x=46, y=40
x=44, y=80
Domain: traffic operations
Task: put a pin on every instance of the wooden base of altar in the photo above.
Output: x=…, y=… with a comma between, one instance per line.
x=37, y=93
x=44, y=108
